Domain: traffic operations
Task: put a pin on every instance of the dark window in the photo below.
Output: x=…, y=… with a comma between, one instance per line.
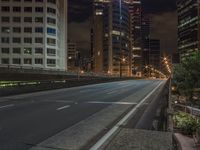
x=5, y=40
x=39, y=19
x=51, y=41
x=5, y=8
x=16, y=30
x=38, y=61
x=51, y=1
x=38, y=50
x=39, y=9
x=16, y=50
x=16, y=19
x=39, y=40
x=5, y=61
x=28, y=40
x=38, y=0
x=28, y=19
x=28, y=61
x=39, y=29
x=51, y=52
x=16, y=61
x=16, y=40
x=51, y=21
x=5, y=19
x=51, y=10
x=5, y=30
x=27, y=30
x=16, y=9
x=27, y=9
x=5, y=50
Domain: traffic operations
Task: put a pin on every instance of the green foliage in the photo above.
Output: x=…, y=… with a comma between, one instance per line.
x=186, y=123
x=187, y=75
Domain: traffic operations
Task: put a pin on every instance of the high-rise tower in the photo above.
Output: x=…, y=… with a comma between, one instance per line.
x=33, y=33
x=188, y=27
x=110, y=37
x=135, y=35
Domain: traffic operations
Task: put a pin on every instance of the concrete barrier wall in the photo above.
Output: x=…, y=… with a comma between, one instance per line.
x=155, y=116
x=50, y=85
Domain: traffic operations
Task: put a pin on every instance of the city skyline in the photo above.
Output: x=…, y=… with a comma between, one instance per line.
x=99, y=74
x=80, y=22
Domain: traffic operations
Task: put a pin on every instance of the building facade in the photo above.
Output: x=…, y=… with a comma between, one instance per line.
x=111, y=37
x=71, y=56
x=155, y=54
x=135, y=35
x=97, y=34
x=188, y=27
x=146, y=23
x=33, y=33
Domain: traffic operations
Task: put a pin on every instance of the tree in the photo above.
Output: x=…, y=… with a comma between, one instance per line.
x=187, y=75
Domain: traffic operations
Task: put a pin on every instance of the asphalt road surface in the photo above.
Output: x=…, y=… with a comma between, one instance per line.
x=73, y=118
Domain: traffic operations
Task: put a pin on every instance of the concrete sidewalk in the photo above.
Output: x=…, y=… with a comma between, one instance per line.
x=186, y=143
x=134, y=139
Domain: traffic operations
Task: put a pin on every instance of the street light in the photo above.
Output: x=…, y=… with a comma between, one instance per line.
x=121, y=61
x=120, y=27
x=168, y=63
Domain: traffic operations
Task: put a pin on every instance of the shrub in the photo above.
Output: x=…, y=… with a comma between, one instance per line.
x=186, y=123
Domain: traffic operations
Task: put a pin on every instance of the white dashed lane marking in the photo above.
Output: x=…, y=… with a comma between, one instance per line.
x=7, y=106
x=64, y=107
x=116, y=103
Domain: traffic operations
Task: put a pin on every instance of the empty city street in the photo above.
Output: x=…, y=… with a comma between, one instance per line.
x=73, y=118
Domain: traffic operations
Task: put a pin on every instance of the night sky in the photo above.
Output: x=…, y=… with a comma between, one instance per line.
x=164, y=23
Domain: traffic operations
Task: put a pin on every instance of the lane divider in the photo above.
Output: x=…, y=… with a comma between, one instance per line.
x=7, y=106
x=64, y=107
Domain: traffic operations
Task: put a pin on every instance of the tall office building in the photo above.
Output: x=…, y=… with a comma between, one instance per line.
x=188, y=27
x=110, y=37
x=71, y=56
x=155, y=54
x=33, y=33
x=135, y=35
x=146, y=24
x=97, y=34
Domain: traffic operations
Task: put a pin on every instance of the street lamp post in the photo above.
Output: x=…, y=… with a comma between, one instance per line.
x=120, y=68
x=120, y=26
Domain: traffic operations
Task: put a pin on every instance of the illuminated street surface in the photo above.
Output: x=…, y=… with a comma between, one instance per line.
x=69, y=118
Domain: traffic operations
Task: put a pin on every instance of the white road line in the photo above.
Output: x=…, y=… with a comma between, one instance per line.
x=116, y=103
x=64, y=107
x=6, y=106
x=121, y=122
x=112, y=92
x=119, y=91
x=63, y=101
